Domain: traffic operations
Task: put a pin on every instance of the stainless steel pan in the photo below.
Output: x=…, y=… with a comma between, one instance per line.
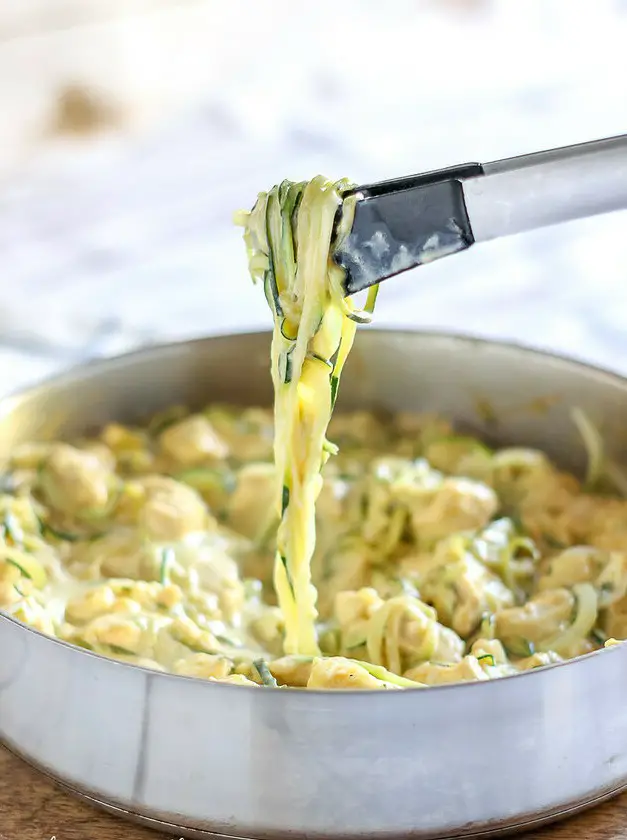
x=201, y=758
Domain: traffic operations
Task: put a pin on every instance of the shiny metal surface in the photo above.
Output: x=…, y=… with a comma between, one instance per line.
x=201, y=757
x=547, y=188
x=403, y=223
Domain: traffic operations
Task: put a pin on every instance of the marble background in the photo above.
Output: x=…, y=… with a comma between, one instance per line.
x=120, y=236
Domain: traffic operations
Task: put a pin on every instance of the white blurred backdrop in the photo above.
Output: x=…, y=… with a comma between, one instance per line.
x=131, y=130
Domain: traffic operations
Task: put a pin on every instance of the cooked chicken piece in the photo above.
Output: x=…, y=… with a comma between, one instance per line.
x=172, y=510
x=75, y=482
x=90, y=605
x=459, y=456
x=339, y=673
x=292, y=670
x=252, y=506
x=538, y=660
x=422, y=428
x=357, y=428
x=458, y=504
x=537, y=621
x=204, y=665
x=574, y=565
x=460, y=587
x=193, y=441
x=432, y=673
x=234, y=679
x=349, y=567
x=249, y=435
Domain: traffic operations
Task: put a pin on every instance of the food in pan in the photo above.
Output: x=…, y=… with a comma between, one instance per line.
x=296, y=548
x=437, y=559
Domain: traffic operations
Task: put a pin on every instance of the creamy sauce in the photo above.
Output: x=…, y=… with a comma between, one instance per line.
x=437, y=559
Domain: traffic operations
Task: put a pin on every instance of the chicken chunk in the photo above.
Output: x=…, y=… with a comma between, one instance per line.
x=122, y=553
x=574, y=565
x=600, y=521
x=352, y=607
x=253, y=502
x=193, y=441
x=90, y=605
x=445, y=645
x=235, y=679
x=118, y=632
x=357, y=428
x=461, y=588
x=204, y=665
x=332, y=519
x=249, y=435
x=75, y=482
x=349, y=567
x=339, y=673
x=292, y=670
x=537, y=621
x=129, y=448
x=408, y=631
x=268, y=629
x=538, y=660
x=461, y=456
x=433, y=673
x=172, y=510
x=519, y=473
x=421, y=428
x=458, y=504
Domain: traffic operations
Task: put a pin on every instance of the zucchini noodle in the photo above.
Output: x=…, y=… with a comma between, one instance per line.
x=585, y=619
x=290, y=240
x=30, y=568
x=381, y=673
x=599, y=466
x=498, y=547
x=593, y=443
x=383, y=638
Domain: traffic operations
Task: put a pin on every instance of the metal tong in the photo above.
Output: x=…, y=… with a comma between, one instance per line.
x=406, y=222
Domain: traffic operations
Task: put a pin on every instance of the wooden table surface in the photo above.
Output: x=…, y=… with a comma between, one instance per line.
x=34, y=808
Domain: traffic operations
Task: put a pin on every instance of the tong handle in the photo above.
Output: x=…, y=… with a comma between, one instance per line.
x=545, y=188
